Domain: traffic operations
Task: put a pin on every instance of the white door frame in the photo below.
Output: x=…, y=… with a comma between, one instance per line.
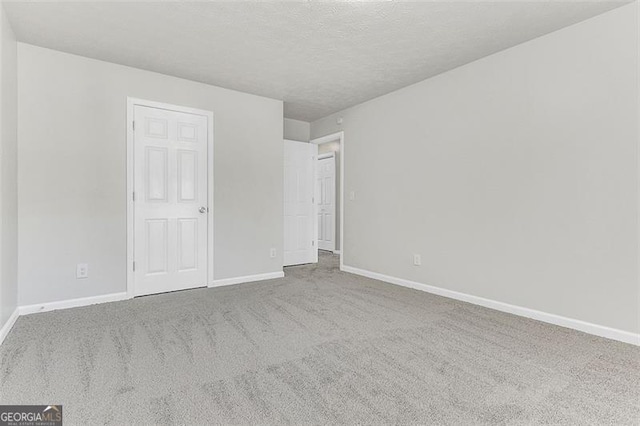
x=338, y=136
x=335, y=198
x=131, y=104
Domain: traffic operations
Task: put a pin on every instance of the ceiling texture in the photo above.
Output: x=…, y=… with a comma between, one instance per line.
x=318, y=57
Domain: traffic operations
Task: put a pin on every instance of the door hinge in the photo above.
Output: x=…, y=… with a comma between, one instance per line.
x=134, y=125
x=313, y=243
x=134, y=266
x=133, y=197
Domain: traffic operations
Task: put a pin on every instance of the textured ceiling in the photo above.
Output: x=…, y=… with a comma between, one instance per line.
x=317, y=57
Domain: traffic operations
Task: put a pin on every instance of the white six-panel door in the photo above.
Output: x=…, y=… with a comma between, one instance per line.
x=326, y=199
x=299, y=207
x=170, y=208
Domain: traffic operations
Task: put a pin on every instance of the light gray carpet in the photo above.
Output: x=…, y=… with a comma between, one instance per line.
x=319, y=346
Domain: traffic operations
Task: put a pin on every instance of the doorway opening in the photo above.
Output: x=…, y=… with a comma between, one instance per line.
x=326, y=199
x=330, y=193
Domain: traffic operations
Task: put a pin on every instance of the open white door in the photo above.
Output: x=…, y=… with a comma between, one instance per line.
x=299, y=206
x=326, y=198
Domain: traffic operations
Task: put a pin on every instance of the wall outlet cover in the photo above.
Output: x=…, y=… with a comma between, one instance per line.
x=82, y=270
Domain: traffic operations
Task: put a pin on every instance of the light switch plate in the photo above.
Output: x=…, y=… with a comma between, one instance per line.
x=272, y=253
x=417, y=260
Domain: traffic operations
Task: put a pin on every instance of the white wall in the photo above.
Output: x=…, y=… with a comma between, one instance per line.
x=72, y=158
x=515, y=177
x=296, y=130
x=8, y=171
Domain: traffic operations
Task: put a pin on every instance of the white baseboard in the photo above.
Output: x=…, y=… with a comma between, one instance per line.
x=114, y=297
x=246, y=279
x=595, y=329
x=586, y=327
x=72, y=303
x=337, y=252
x=6, y=328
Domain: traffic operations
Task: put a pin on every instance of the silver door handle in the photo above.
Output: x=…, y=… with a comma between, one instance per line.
x=203, y=209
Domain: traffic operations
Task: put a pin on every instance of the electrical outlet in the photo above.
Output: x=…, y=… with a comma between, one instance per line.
x=82, y=270
x=417, y=260
x=272, y=253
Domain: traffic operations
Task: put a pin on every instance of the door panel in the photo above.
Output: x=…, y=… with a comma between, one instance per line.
x=187, y=244
x=299, y=210
x=326, y=203
x=187, y=176
x=157, y=239
x=156, y=175
x=170, y=174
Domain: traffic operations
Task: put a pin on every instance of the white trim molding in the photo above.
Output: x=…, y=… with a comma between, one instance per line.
x=6, y=328
x=113, y=297
x=72, y=303
x=586, y=327
x=246, y=279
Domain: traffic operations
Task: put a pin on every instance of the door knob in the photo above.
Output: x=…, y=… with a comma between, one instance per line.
x=203, y=209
